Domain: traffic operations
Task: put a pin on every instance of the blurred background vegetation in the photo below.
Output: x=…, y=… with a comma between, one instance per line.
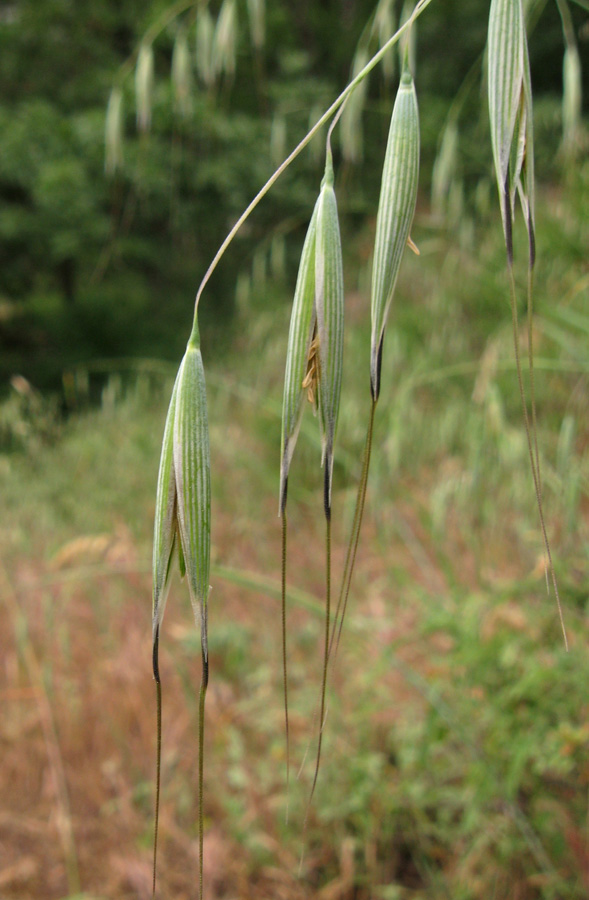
x=456, y=755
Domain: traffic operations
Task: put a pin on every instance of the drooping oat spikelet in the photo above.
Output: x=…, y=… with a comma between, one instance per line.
x=510, y=112
x=572, y=100
x=181, y=73
x=114, y=132
x=183, y=518
x=572, y=90
x=314, y=366
x=302, y=323
x=398, y=195
x=225, y=42
x=329, y=301
x=144, y=87
x=257, y=18
x=192, y=473
x=318, y=303
x=205, y=35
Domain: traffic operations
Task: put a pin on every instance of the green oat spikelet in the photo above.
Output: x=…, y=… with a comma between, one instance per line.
x=329, y=302
x=113, y=132
x=512, y=137
x=510, y=114
x=225, y=41
x=181, y=73
x=302, y=324
x=144, y=87
x=396, y=208
x=256, y=10
x=314, y=366
x=182, y=517
x=205, y=34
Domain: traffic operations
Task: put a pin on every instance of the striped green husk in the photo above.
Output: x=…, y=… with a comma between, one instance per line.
x=193, y=480
x=144, y=86
x=398, y=195
x=329, y=300
x=510, y=113
x=164, y=532
x=183, y=499
x=302, y=323
x=183, y=516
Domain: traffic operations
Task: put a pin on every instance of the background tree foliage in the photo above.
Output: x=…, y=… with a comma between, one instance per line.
x=93, y=267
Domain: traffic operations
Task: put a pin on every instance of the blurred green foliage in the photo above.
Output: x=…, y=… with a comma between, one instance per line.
x=91, y=265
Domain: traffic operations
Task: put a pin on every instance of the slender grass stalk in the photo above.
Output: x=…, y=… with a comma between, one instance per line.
x=531, y=453
x=327, y=510
x=201, y=736
x=284, y=658
x=511, y=120
x=158, y=764
x=182, y=518
x=352, y=548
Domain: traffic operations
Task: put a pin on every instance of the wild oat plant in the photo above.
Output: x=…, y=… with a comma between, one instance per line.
x=314, y=358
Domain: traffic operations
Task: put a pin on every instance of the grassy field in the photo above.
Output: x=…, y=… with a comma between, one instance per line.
x=456, y=751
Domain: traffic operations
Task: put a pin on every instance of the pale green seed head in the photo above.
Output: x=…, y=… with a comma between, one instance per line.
x=183, y=502
x=191, y=458
x=396, y=208
x=144, y=87
x=329, y=301
x=257, y=18
x=181, y=74
x=114, y=132
x=510, y=114
x=572, y=99
x=315, y=345
x=225, y=41
x=205, y=35
x=302, y=323
x=165, y=525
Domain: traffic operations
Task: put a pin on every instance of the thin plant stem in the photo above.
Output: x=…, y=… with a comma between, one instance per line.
x=370, y=65
x=284, y=663
x=201, y=733
x=535, y=473
x=327, y=505
x=354, y=538
x=158, y=767
x=530, y=312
